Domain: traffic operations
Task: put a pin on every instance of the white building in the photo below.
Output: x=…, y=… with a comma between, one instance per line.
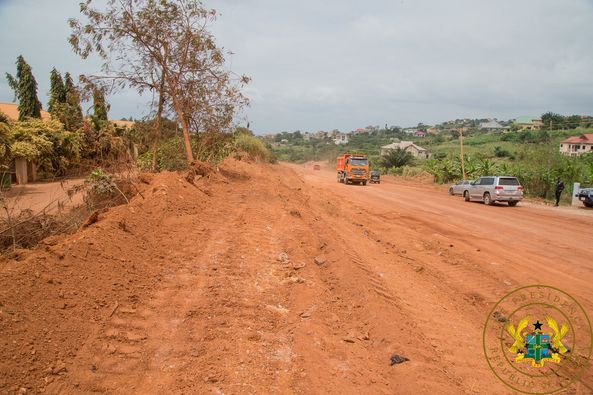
x=492, y=124
x=415, y=150
x=341, y=138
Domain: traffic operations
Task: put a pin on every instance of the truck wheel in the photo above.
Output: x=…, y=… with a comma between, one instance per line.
x=364, y=183
x=513, y=203
x=487, y=199
x=466, y=196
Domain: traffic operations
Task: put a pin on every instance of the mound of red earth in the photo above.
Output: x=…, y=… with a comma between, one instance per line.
x=57, y=295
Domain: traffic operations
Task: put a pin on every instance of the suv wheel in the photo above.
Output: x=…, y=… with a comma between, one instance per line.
x=513, y=203
x=451, y=191
x=466, y=195
x=488, y=199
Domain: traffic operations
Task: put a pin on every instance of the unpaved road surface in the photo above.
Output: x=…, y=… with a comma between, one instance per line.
x=277, y=279
x=49, y=197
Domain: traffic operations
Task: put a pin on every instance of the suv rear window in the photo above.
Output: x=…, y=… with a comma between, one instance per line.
x=508, y=181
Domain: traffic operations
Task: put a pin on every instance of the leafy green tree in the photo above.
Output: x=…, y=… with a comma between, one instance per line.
x=46, y=143
x=574, y=121
x=100, y=107
x=552, y=121
x=25, y=89
x=72, y=117
x=5, y=141
x=64, y=102
x=57, y=95
x=397, y=158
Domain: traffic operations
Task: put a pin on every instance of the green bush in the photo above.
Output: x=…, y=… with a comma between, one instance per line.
x=253, y=146
x=500, y=152
x=101, y=183
x=169, y=157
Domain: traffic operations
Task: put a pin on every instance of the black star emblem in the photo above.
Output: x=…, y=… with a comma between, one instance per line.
x=538, y=326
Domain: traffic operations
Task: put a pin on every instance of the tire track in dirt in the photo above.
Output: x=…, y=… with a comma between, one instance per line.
x=357, y=314
x=215, y=320
x=401, y=262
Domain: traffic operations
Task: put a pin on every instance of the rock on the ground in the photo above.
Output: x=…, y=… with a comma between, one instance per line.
x=397, y=359
x=283, y=257
x=320, y=260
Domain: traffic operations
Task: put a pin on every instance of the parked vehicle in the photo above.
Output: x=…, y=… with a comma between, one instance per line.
x=586, y=196
x=375, y=177
x=353, y=168
x=491, y=189
x=459, y=187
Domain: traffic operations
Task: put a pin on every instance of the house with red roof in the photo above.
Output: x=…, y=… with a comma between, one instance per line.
x=577, y=145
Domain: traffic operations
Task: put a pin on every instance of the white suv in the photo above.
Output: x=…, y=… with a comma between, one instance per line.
x=491, y=189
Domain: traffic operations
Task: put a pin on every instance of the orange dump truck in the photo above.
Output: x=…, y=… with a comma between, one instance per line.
x=353, y=168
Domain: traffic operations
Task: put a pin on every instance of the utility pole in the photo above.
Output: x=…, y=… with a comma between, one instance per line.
x=462, y=156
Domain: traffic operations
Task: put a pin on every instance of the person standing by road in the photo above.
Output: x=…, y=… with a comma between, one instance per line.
x=559, y=189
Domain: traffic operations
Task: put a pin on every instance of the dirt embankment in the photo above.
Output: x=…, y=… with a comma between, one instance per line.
x=256, y=279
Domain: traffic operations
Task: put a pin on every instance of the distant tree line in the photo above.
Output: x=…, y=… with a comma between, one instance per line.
x=553, y=121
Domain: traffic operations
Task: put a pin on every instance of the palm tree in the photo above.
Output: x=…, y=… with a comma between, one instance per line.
x=397, y=158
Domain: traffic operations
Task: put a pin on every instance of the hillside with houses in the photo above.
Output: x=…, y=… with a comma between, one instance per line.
x=536, y=149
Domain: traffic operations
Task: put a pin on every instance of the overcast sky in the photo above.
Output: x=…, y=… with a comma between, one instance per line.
x=319, y=65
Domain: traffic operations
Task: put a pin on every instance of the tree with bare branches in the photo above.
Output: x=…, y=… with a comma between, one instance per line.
x=163, y=46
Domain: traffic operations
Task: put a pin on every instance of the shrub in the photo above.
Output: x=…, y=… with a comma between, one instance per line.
x=101, y=183
x=253, y=146
x=500, y=152
x=169, y=156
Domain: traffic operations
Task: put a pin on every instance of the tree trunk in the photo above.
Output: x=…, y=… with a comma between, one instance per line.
x=186, y=140
x=184, y=127
x=172, y=84
x=159, y=115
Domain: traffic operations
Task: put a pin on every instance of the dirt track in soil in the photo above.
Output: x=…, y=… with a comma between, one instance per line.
x=183, y=291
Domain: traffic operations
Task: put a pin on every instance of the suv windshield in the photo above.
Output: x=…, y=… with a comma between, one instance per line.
x=508, y=181
x=358, y=162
